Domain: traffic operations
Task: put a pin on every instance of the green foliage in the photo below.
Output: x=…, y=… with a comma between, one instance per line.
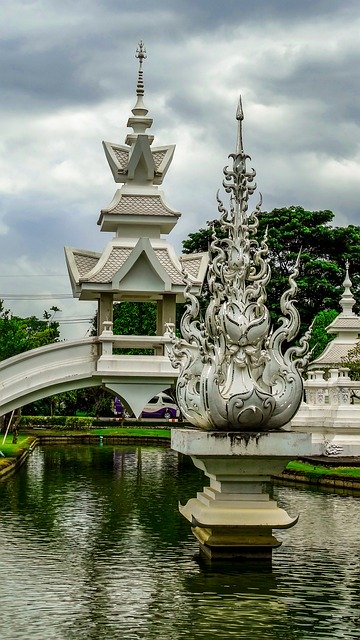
x=133, y=319
x=10, y=450
x=199, y=241
x=324, y=250
x=319, y=337
x=353, y=362
x=93, y=401
x=57, y=422
x=21, y=334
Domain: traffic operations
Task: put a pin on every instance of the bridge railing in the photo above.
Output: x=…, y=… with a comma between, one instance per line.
x=110, y=341
x=335, y=390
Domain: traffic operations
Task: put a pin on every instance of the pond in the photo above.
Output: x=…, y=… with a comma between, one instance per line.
x=92, y=547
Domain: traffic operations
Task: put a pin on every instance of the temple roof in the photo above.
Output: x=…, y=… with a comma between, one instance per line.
x=346, y=327
x=137, y=208
x=118, y=157
x=137, y=262
x=334, y=354
x=89, y=270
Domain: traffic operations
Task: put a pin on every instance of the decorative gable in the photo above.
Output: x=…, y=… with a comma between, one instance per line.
x=142, y=271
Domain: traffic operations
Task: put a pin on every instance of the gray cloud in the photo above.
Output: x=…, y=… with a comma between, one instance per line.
x=68, y=74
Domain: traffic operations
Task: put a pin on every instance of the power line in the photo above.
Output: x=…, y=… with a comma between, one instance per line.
x=35, y=296
x=35, y=275
x=73, y=321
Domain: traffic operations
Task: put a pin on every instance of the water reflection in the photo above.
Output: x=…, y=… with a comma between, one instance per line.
x=92, y=546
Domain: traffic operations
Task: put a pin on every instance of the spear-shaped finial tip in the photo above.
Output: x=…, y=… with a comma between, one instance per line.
x=239, y=118
x=239, y=110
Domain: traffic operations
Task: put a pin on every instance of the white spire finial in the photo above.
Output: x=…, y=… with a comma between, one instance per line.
x=140, y=109
x=239, y=118
x=347, y=300
x=139, y=121
x=141, y=56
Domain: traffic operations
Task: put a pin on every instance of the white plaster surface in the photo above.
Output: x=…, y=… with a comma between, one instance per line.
x=195, y=442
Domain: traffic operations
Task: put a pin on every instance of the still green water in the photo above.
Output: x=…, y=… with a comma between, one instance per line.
x=92, y=547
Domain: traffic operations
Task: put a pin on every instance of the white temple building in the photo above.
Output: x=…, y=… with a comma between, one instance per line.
x=346, y=331
x=137, y=264
x=331, y=410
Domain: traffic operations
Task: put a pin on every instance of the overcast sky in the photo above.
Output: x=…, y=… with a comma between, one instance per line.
x=68, y=77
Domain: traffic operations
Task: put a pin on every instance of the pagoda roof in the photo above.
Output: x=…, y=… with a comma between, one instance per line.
x=137, y=208
x=334, y=354
x=344, y=323
x=119, y=156
x=92, y=273
x=346, y=327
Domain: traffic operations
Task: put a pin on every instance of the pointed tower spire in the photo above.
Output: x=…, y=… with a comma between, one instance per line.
x=140, y=109
x=239, y=118
x=347, y=300
x=139, y=121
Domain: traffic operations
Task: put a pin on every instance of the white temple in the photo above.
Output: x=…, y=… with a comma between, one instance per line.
x=345, y=328
x=137, y=264
x=331, y=409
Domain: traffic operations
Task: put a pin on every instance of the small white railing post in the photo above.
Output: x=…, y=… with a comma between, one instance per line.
x=107, y=338
x=315, y=388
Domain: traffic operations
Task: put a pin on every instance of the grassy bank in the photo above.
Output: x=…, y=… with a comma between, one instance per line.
x=10, y=450
x=318, y=471
x=13, y=455
x=133, y=432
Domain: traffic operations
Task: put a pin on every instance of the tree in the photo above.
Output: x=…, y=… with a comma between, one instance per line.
x=319, y=337
x=352, y=361
x=324, y=250
x=135, y=318
x=21, y=334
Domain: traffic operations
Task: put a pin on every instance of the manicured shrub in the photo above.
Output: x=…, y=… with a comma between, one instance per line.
x=57, y=423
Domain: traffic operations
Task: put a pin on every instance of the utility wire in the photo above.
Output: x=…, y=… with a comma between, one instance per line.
x=35, y=296
x=35, y=275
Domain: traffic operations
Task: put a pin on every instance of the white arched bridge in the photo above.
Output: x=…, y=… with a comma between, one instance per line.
x=90, y=362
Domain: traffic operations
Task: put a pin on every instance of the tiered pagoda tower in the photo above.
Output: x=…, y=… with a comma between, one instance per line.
x=137, y=264
x=345, y=329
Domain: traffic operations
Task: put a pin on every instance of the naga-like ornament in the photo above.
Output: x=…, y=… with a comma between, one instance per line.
x=234, y=372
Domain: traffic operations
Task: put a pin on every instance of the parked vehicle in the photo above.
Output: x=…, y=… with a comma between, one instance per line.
x=160, y=406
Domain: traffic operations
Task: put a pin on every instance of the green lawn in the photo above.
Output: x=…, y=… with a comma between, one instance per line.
x=135, y=432
x=317, y=470
x=141, y=432
x=10, y=450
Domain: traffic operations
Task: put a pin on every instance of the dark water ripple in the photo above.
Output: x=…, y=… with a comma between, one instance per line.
x=92, y=547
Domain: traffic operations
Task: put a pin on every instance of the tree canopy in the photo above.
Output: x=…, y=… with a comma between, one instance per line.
x=352, y=361
x=319, y=337
x=21, y=334
x=324, y=250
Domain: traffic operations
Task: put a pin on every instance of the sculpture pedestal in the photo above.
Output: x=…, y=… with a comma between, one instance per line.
x=234, y=516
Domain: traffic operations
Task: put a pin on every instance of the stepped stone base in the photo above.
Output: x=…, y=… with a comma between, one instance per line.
x=234, y=516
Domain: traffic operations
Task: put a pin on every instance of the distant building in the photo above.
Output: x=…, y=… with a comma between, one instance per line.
x=346, y=328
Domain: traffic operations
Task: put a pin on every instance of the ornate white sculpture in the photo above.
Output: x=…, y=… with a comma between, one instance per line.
x=233, y=371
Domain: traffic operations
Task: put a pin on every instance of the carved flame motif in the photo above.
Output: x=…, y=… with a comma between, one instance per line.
x=234, y=373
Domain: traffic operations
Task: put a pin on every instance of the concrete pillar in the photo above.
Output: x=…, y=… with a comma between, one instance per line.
x=166, y=312
x=105, y=310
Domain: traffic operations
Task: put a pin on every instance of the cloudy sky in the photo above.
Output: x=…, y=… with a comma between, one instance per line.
x=68, y=76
